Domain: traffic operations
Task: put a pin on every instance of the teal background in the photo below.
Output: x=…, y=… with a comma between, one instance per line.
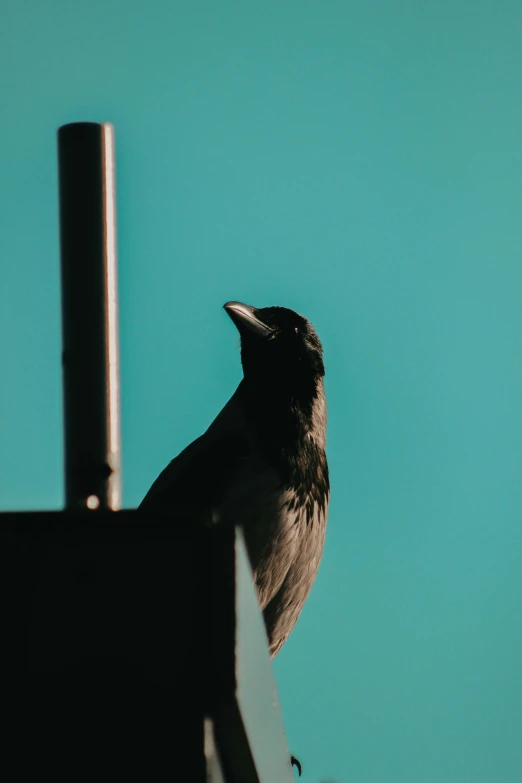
x=359, y=162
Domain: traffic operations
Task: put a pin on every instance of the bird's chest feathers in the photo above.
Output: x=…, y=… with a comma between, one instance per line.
x=283, y=479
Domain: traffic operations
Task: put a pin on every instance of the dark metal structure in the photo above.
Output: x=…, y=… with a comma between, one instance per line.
x=133, y=647
x=134, y=650
x=86, y=173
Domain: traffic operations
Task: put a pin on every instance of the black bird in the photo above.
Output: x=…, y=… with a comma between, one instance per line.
x=262, y=462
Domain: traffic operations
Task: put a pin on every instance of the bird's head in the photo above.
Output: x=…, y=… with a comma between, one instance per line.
x=277, y=345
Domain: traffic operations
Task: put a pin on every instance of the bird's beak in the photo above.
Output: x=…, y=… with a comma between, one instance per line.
x=245, y=319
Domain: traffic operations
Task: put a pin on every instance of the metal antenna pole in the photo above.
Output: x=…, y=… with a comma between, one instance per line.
x=90, y=359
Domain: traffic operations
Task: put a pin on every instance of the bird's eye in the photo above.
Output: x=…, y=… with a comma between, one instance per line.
x=296, y=330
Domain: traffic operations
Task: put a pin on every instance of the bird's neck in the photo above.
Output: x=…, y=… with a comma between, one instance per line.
x=287, y=420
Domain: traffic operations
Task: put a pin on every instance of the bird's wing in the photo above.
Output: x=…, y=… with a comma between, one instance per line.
x=195, y=481
x=285, y=605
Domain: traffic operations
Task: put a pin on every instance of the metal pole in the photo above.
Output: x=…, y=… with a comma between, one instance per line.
x=90, y=359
